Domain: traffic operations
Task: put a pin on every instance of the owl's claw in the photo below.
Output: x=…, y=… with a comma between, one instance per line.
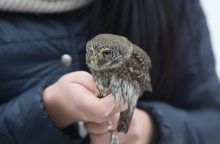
x=100, y=95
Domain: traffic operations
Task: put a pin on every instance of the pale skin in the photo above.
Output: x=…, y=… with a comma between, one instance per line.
x=73, y=98
x=140, y=131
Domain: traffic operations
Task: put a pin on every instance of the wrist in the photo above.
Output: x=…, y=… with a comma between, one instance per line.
x=54, y=108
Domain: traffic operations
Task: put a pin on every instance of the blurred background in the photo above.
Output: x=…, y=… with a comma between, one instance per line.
x=212, y=12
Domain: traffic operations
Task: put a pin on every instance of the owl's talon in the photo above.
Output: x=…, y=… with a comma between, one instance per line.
x=100, y=95
x=103, y=93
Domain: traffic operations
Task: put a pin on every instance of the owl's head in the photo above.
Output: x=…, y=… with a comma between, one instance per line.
x=107, y=52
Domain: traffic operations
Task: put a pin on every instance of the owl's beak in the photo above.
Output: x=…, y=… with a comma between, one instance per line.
x=96, y=59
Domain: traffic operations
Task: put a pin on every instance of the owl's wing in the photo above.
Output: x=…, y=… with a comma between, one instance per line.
x=139, y=66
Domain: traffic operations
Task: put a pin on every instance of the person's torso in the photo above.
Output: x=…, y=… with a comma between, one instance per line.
x=39, y=49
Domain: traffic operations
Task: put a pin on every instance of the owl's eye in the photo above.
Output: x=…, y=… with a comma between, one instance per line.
x=107, y=53
x=90, y=51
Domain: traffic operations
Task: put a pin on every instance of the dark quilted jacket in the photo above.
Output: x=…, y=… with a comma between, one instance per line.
x=31, y=47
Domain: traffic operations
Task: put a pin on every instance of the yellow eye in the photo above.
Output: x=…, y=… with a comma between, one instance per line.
x=107, y=52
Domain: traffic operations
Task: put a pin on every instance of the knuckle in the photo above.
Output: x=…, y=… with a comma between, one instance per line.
x=99, y=115
x=85, y=73
x=94, y=128
x=64, y=78
x=94, y=131
x=103, y=113
x=137, y=133
x=100, y=120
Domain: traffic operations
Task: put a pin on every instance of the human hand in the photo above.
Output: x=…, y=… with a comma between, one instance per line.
x=140, y=132
x=73, y=98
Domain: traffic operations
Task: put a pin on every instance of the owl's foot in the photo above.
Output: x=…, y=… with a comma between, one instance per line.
x=102, y=94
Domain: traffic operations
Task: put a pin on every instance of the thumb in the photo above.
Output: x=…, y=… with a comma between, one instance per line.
x=83, y=78
x=111, y=106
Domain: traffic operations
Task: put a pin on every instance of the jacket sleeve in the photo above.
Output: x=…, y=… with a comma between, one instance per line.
x=23, y=120
x=193, y=116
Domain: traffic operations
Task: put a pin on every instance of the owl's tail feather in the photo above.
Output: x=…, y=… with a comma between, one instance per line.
x=125, y=120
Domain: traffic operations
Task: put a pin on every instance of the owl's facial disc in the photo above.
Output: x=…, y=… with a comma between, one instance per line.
x=104, y=59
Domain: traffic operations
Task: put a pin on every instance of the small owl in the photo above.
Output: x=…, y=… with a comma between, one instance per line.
x=121, y=68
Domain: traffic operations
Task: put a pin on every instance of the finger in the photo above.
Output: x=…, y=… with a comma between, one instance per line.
x=101, y=128
x=105, y=106
x=111, y=105
x=108, y=100
x=92, y=108
x=101, y=139
x=124, y=138
x=114, y=121
x=96, y=128
x=118, y=108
